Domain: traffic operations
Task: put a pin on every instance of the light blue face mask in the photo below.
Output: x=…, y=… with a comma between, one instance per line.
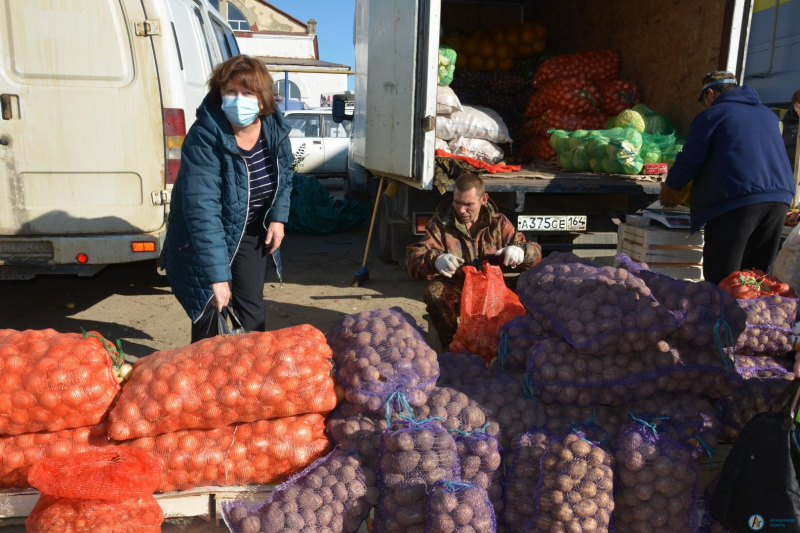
x=240, y=110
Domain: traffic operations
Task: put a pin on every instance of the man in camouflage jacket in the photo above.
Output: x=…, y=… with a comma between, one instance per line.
x=467, y=231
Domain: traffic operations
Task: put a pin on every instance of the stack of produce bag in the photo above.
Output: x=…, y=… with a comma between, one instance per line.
x=55, y=391
x=108, y=490
x=470, y=131
x=623, y=150
x=230, y=410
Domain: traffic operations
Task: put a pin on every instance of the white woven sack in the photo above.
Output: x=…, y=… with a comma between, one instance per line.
x=446, y=101
x=482, y=149
x=474, y=122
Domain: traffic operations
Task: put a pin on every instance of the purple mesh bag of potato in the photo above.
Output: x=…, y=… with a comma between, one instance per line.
x=481, y=461
x=655, y=488
x=414, y=456
x=595, y=309
x=559, y=374
x=462, y=369
x=521, y=479
x=457, y=506
x=357, y=432
x=709, y=524
x=334, y=494
x=455, y=411
x=380, y=353
x=770, y=320
x=517, y=337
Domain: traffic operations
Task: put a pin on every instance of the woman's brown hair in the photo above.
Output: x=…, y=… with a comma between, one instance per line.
x=796, y=98
x=251, y=74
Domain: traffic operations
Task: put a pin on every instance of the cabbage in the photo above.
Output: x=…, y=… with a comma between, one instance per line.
x=559, y=141
x=610, y=123
x=634, y=137
x=632, y=167
x=596, y=164
x=629, y=117
x=643, y=110
x=597, y=146
x=581, y=160
x=578, y=139
x=567, y=160
x=657, y=125
x=651, y=155
x=611, y=165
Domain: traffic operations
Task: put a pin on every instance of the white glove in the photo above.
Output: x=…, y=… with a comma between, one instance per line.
x=447, y=264
x=512, y=256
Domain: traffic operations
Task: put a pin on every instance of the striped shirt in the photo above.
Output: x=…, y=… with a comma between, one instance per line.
x=263, y=180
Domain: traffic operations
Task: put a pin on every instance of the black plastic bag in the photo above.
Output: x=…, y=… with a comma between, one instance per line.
x=758, y=488
x=219, y=324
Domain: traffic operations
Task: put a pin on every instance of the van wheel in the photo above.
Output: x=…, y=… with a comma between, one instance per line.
x=384, y=239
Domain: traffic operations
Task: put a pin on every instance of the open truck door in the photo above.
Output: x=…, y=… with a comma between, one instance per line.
x=395, y=113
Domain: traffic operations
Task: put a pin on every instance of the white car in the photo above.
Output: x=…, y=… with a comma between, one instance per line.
x=318, y=143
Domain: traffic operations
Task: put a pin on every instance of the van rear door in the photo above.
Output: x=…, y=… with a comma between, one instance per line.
x=82, y=137
x=399, y=41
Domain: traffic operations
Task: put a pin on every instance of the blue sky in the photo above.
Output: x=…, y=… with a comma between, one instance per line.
x=334, y=27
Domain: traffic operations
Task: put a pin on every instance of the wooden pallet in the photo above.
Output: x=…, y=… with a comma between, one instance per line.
x=676, y=253
x=201, y=502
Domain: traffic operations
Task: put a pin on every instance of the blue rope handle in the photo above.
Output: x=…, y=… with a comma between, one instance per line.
x=591, y=420
x=708, y=449
x=644, y=421
x=502, y=348
x=721, y=349
x=527, y=389
x=402, y=404
x=456, y=486
x=481, y=430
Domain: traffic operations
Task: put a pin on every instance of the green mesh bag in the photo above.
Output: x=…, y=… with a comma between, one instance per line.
x=610, y=151
x=447, y=65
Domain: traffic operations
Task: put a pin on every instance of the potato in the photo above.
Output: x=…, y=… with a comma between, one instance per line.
x=334, y=494
x=480, y=458
x=462, y=369
x=414, y=456
x=661, y=493
x=770, y=320
x=459, y=506
x=377, y=353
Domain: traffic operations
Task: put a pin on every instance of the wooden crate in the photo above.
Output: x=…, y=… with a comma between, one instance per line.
x=676, y=253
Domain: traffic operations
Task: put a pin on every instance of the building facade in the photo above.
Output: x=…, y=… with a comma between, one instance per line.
x=288, y=47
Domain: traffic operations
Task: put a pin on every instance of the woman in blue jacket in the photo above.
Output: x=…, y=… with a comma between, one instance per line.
x=231, y=198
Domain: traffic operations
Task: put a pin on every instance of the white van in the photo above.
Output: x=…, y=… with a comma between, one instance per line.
x=96, y=98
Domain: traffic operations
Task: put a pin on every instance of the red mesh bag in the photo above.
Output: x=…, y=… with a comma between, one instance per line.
x=226, y=379
x=19, y=453
x=111, y=473
x=486, y=305
x=560, y=120
x=255, y=452
x=599, y=65
x=66, y=515
x=537, y=147
x=617, y=96
x=51, y=381
x=576, y=95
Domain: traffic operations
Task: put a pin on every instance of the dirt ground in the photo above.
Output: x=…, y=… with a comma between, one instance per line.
x=134, y=303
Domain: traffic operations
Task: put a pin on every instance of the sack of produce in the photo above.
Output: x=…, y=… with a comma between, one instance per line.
x=562, y=120
x=333, y=494
x=595, y=309
x=596, y=65
x=462, y=370
x=617, y=96
x=474, y=122
x=707, y=315
x=458, y=506
x=441, y=144
x=446, y=101
x=19, y=453
x=656, y=487
x=480, y=149
x=520, y=486
x=455, y=411
x=687, y=419
x=748, y=284
x=414, y=456
x=380, y=353
x=242, y=454
x=709, y=524
x=574, y=484
x=537, y=147
x=223, y=380
x=517, y=337
x=559, y=374
x=108, y=490
x=770, y=320
x=562, y=418
x=53, y=381
x=509, y=407
x=481, y=462
x=447, y=65
x=575, y=95
x=70, y=515
x=357, y=432
x=486, y=305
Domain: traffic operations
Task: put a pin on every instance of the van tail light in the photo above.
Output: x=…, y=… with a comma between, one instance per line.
x=175, y=133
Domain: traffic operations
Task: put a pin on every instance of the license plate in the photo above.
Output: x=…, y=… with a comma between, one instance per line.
x=554, y=223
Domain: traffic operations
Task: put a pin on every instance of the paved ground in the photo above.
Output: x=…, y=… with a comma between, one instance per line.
x=134, y=303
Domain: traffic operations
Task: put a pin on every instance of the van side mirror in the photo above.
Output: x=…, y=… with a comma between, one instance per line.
x=339, y=110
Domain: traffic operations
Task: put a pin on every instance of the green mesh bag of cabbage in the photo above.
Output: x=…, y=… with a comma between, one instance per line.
x=611, y=151
x=447, y=65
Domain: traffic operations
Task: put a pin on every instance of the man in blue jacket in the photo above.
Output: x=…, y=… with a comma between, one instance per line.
x=742, y=184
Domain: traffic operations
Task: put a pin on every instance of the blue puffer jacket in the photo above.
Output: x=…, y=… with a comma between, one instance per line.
x=734, y=156
x=209, y=204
